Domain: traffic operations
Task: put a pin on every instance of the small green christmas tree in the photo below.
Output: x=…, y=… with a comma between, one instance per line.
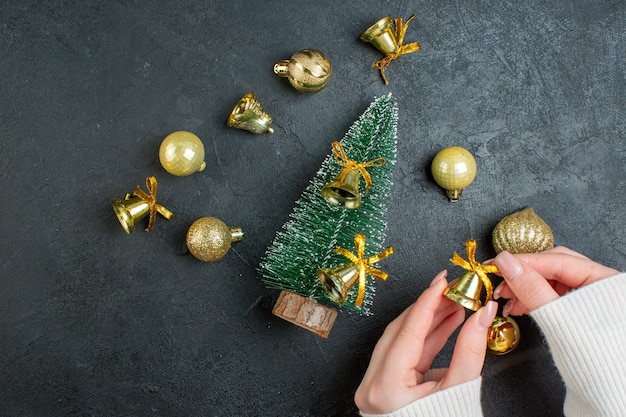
x=308, y=240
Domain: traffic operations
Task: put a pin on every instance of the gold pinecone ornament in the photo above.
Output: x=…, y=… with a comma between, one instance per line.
x=522, y=232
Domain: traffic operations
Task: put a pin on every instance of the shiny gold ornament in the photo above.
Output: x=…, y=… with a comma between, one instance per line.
x=337, y=281
x=503, y=335
x=466, y=291
x=382, y=36
x=308, y=70
x=209, y=238
x=343, y=191
x=249, y=115
x=389, y=41
x=522, y=232
x=454, y=168
x=131, y=210
x=182, y=153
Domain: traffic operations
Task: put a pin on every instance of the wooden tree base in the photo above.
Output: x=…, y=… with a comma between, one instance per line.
x=305, y=312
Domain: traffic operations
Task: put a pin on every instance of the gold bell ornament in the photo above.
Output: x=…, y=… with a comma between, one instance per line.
x=453, y=168
x=131, y=210
x=503, y=334
x=209, y=238
x=337, y=281
x=308, y=70
x=466, y=291
x=182, y=153
x=389, y=41
x=249, y=115
x=343, y=191
x=522, y=232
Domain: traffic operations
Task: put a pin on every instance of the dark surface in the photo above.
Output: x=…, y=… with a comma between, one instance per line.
x=97, y=323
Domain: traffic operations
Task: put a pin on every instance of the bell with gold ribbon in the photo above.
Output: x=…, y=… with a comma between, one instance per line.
x=466, y=291
x=381, y=35
x=503, y=334
x=249, y=115
x=343, y=191
x=131, y=210
x=338, y=281
x=389, y=41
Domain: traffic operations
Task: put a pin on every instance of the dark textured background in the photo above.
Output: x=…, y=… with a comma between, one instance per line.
x=97, y=323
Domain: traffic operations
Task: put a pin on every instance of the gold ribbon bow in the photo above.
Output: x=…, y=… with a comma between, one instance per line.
x=151, y=183
x=364, y=263
x=402, y=49
x=349, y=164
x=476, y=267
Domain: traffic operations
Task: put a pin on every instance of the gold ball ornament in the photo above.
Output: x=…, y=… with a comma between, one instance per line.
x=503, y=335
x=454, y=168
x=182, y=153
x=308, y=70
x=209, y=238
x=522, y=232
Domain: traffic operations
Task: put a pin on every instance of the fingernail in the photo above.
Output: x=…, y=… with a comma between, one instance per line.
x=509, y=265
x=487, y=313
x=508, y=306
x=439, y=277
x=496, y=292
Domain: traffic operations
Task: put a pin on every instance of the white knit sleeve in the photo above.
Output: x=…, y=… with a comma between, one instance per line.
x=586, y=332
x=459, y=400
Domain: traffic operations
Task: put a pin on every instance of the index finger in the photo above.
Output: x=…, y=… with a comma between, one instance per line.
x=528, y=285
x=573, y=271
x=405, y=349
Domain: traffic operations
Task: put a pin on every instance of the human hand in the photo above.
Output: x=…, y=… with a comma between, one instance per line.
x=534, y=279
x=399, y=371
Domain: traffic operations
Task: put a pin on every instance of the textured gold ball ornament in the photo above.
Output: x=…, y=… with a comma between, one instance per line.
x=454, y=168
x=308, y=70
x=503, y=335
x=182, y=153
x=522, y=232
x=209, y=238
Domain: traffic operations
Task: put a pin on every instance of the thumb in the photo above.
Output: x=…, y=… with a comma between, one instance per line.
x=530, y=287
x=471, y=345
